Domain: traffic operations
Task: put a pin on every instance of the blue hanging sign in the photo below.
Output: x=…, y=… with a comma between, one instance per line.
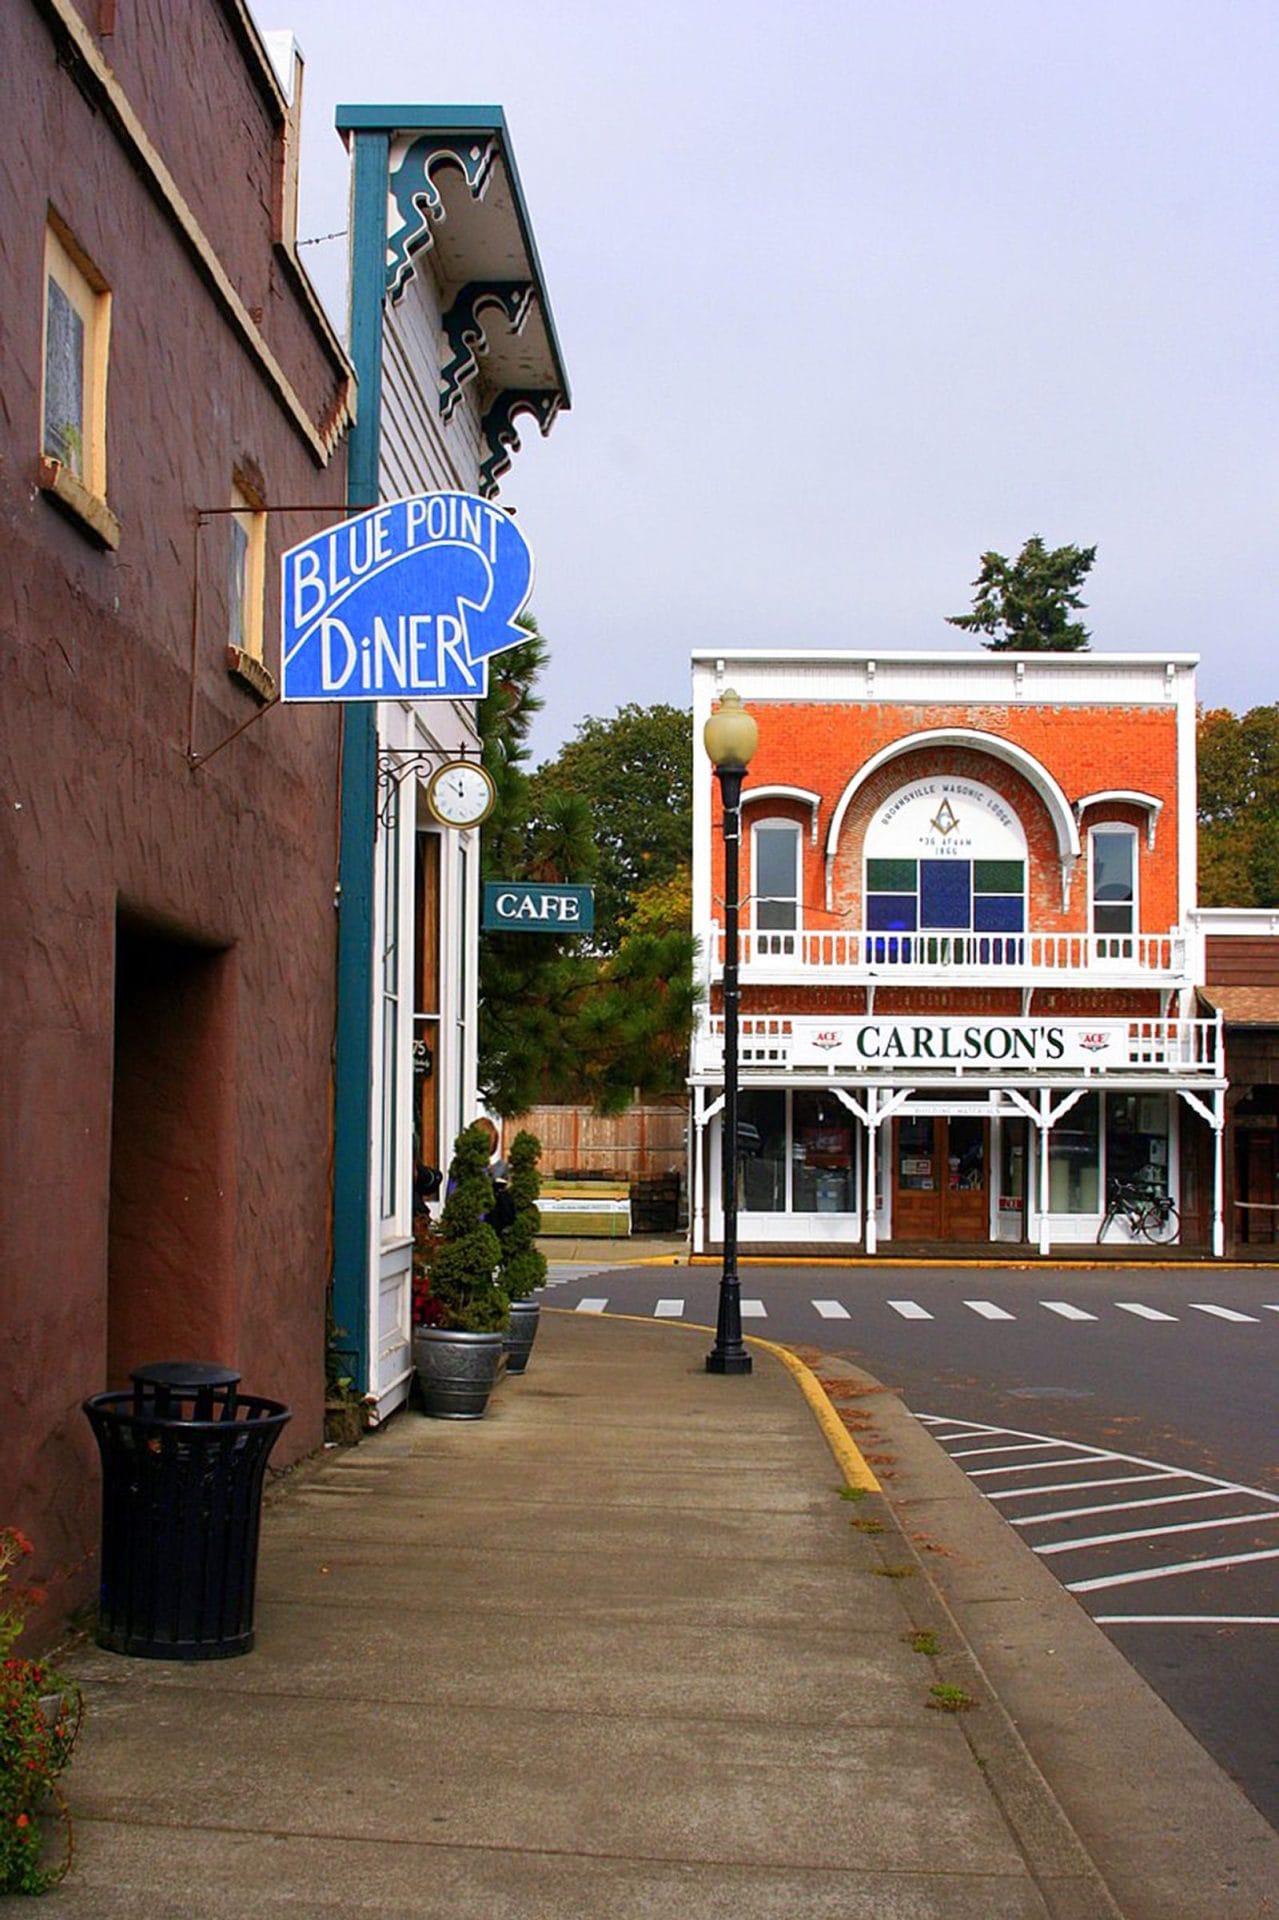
x=408, y=601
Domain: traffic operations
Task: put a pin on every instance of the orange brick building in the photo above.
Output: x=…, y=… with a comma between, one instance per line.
x=969, y=957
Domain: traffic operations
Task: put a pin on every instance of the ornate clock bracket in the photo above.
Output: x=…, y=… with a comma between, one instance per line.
x=395, y=764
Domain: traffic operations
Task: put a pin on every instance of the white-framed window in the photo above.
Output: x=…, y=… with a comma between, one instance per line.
x=776, y=870
x=73, y=381
x=797, y=1152
x=389, y=991
x=246, y=586
x=1112, y=889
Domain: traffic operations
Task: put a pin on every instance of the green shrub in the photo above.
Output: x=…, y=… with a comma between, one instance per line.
x=523, y=1267
x=464, y=1291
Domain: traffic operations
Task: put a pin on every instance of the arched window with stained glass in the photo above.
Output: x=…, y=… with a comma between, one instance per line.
x=945, y=876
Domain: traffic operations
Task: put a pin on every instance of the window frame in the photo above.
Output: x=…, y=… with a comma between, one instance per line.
x=247, y=621
x=84, y=494
x=774, y=824
x=1119, y=828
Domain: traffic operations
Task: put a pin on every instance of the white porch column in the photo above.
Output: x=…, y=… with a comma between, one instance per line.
x=1219, y=1174
x=871, y=1240
x=696, y=1184
x=1045, y=1102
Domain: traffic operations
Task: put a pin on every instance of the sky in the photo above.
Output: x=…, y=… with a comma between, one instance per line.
x=851, y=292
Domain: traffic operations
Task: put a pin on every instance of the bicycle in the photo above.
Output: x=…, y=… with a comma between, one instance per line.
x=1150, y=1216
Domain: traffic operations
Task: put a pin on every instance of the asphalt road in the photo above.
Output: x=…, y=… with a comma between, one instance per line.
x=1124, y=1419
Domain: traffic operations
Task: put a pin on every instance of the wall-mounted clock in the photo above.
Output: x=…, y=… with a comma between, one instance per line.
x=461, y=793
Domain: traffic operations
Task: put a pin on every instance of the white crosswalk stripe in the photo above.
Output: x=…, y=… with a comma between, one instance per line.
x=754, y=1310
x=1143, y=1312
x=1067, y=1312
x=831, y=1310
x=988, y=1310
x=910, y=1310
x=1225, y=1313
x=669, y=1310
x=591, y=1306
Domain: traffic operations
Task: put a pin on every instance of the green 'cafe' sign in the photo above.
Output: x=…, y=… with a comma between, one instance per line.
x=510, y=907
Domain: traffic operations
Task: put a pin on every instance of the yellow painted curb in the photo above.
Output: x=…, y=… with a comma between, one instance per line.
x=868, y=1262
x=848, y=1455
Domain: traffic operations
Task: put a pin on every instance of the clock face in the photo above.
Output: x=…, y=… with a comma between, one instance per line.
x=461, y=793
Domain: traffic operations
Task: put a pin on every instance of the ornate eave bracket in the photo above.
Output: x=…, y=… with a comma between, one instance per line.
x=499, y=435
x=415, y=198
x=465, y=332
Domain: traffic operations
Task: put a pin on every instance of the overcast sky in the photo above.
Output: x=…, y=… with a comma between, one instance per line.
x=851, y=291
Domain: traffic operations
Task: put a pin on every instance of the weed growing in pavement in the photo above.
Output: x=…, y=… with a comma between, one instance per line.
x=922, y=1642
x=867, y=1525
x=948, y=1699
x=895, y=1573
x=853, y=1493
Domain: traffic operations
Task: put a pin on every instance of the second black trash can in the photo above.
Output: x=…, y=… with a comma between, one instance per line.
x=184, y=1456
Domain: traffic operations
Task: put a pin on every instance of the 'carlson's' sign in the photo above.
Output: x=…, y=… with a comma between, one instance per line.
x=408, y=601
x=978, y=1044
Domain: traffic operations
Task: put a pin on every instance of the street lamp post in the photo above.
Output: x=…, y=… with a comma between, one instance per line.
x=731, y=737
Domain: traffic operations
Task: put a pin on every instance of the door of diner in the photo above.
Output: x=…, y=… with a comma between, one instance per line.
x=941, y=1177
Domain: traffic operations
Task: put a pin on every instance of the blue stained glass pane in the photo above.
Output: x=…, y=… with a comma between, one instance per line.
x=880, y=950
x=891, y=912
x=997, y=913
x=945, y=893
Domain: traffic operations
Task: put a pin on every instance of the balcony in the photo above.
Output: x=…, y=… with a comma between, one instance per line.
x=933, y=1046
x=803, y=958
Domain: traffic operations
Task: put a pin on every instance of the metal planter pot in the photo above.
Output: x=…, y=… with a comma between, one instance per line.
x=525, y=1315
x=456, y=1371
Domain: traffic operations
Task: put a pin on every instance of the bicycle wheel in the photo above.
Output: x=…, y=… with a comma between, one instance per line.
x=1159, y=1222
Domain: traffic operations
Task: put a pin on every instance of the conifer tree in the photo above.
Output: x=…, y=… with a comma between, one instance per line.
x=1025, y=604
x=464, y=1286
x=523, y=1267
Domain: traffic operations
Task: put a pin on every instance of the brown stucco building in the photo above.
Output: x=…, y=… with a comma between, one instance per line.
x=175, y=406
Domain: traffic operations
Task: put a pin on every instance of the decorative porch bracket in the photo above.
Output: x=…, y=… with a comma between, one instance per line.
x=465, y=331
x=416, y=198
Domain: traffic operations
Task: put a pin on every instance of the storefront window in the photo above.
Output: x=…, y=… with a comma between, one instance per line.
x=917, y=1155
x=821, y=1155
x=808, y=1135
x=1137, y=1140
x=1074, y=1152
x=761, y=1151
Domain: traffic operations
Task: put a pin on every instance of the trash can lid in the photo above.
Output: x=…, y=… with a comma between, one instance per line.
x=177, y=1374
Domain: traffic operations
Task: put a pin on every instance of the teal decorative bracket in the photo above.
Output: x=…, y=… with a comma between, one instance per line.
x=417, y=198
x=498, y=432
x=464, y=330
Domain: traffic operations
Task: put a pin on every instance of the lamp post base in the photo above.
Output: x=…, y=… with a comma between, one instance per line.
x=718, y=1361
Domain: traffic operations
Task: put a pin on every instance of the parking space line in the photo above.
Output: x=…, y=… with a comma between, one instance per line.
x=1187, y=1619
x=1167, y=1573
x=1120, y=1506
x=1155, y=1533
x=1039, y=1466
x=1018, y=1446
x=1073, y=1486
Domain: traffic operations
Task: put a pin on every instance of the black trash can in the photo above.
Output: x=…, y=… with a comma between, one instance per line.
x=184, y=1457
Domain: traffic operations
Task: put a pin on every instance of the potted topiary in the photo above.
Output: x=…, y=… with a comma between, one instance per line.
x=523, y=1268
x=458, y=1349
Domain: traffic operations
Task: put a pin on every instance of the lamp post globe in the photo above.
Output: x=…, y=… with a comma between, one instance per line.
x=731, y=737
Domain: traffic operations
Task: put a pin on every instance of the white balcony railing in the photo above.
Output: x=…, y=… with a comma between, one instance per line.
x=814, y=958
x=907, y=1046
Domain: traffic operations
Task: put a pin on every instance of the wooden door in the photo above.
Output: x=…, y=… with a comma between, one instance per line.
x=941, y=1177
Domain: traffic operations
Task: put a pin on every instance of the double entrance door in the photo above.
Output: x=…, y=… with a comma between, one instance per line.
x=941, y=1177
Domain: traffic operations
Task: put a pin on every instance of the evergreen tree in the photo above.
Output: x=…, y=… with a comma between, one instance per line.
x=1025, y=604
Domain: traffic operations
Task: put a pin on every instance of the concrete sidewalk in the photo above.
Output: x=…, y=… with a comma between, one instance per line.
x=620, y=1649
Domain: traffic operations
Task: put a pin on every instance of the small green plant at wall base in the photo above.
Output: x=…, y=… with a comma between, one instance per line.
x=923, y=1642
x=464, y=1292
x=867, y=1526
x=39, y=1720
x=895, y=1573
x=523, y=1268
x=852, y=1493
x=948, y=1699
